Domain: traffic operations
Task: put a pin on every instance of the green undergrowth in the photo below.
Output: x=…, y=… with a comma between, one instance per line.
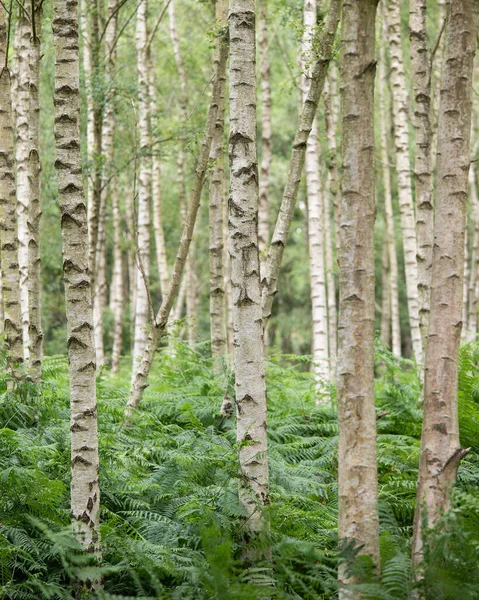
x=172, y=526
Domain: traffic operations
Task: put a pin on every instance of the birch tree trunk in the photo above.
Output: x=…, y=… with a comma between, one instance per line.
x=388, y=207
x=273, y=259
x=386, y=299
x=35, y=332
x=358, y=479
x=140, y=381
x=441, y=452
x=219, y=342
x=117, y=282
x=22, y=59
x=331, y=191
x=474, y=275
x=266, y=135
x=85, y=491
x=144, y=190
x=403, y=169
x=12, y=327
x=421, y=78
x=315, y=213
x=251, y=428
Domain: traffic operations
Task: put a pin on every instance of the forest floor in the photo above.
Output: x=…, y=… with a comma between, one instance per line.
x=172, y=526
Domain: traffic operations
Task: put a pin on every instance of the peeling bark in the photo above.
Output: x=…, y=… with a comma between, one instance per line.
x=440, y=447
x=85, y=491
x=358, y=479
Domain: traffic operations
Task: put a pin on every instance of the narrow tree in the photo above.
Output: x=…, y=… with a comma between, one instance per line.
x=400, y=103
x=219, y=342
x=8, y=219
x=315, y=211
x=441, y=452
x=142, y=311
x=85, y=491
x=358, y=478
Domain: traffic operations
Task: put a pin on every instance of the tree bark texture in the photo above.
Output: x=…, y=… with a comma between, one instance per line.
x=85, y=491
x=358, y=478
x=440, y=448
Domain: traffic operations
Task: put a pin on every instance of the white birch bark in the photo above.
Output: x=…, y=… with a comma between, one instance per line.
x=441, y=451
x=250, y=389
x=474, y=275
x=315, y=212
x=272, y=263
x=219, y=342
x=266, y=134
x=400, y=103
x=85, y=491
x=12, y=327
x=385, y=331
x=23, y=57
x=358, y=478
x=117, y=282
x=421, y=77
x=142, y=311
x=388, y=206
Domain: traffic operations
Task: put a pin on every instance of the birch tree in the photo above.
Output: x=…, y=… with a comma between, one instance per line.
x=400, y=103
x=12, y=327
x=315, y=212
x=142, y=311
x=441, y=452
x=358, y=478
x=85, y=491
x=219, y=342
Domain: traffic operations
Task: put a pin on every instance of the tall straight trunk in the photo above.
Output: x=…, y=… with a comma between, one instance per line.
x=2, y=313
x=386, y=299
x=35, y=332
x=358, y=478
x=266, y=135
x=85, y=491
x=250, y=389
x=117, y=282
x=131, y=252
x=465, y=288
x=161, y=259
x=332, y=123
x=272, y=263
x=228, y=286
x=400, y=105
x=144, y=190
x=22, y=59
x=12, y=327
x=436, y=72
x=219, y=342
x=474, y=273
x=315, y=213
x=421, y=78
x=140, y=381
x=388, y=206
x=191, y=293
x=441, y=452
x=331, y=191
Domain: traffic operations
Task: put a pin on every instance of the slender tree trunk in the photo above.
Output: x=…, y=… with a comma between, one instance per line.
x=228, y=286
x=85, y=491
x=2, y=313
x=400, y=105
x=35, y=332
x=130, y=201
x=8, y=219
x=332, y=190
x=251, y=429
x=117, y=288
x=358, y=479
x=386, y=299
x=22, y=59
x=156, y=186
x=272, y=263
x=388, y=207
x=191, y=293
x=266, y=135
x=315, y=213
x=332, y=124
x=140, y=381
x=441, y=452
x=465, y=289
x=144, y=191
x=219, y=342
x=436, y=72
x=421, y=78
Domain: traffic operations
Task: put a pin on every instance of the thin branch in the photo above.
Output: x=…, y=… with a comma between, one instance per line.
x=110, y=17
x=160, y=18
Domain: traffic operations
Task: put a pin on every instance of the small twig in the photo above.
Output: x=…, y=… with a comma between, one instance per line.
x=110, y=17
x=160, y=18
x=438, y=41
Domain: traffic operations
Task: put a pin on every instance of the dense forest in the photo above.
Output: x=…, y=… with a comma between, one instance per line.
x=239, y=284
